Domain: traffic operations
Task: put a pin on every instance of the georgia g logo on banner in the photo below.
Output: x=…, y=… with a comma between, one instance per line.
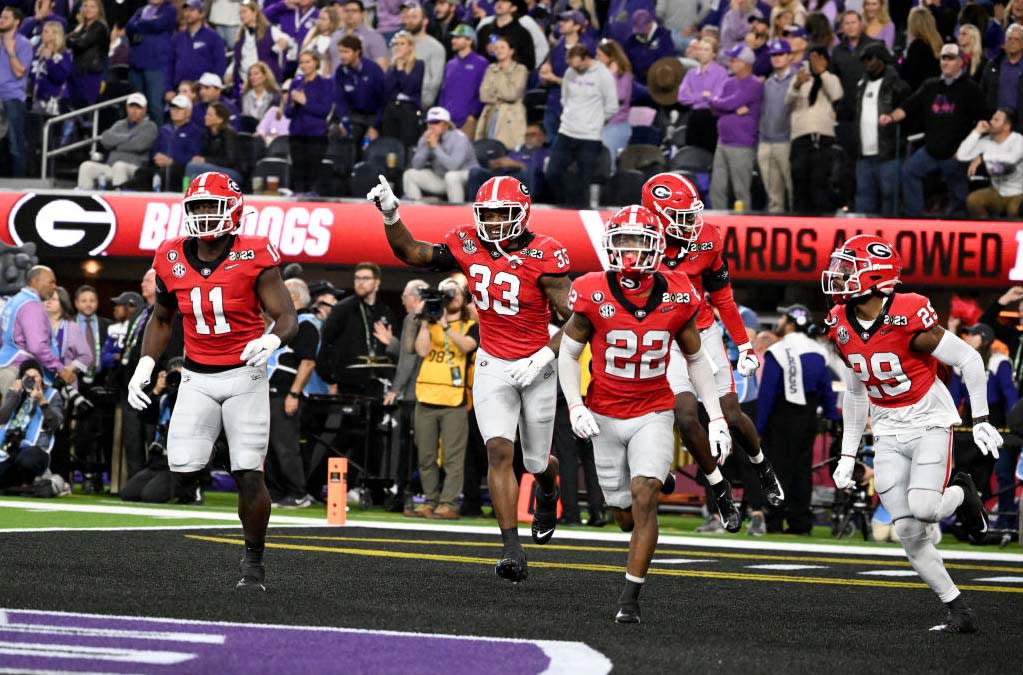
x=63, y=224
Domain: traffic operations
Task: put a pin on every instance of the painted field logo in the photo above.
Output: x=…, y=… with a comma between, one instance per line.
x=63, y=225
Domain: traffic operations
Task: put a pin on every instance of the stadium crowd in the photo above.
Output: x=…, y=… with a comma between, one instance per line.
x=389, y=390
x=769, y=104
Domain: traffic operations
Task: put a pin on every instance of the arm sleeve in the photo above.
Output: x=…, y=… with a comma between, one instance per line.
x=769, y=382
x=701, y=373
x=969, y=148
x=855, y=408
x=719, y=285
x=570, y=371
x=952, y=351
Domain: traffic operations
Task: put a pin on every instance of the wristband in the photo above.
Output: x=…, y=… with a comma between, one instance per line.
x=297, y=395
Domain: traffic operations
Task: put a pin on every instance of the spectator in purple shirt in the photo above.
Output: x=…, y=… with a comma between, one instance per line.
x=524, y=163
x=308, y=105
x=389, y=18
x=32, y=27
x=179, y=141
x=150, y=30
x=617, y=131
x=295, y=18
x=67, y=338
x=463, y=75
x=195, y=50
x=699, y=86
x=89, y=42
x=738, y=111
x=15, y=62
x=735, y=24
x=649, y=41
x=572, y=25
x=51, y=69
x=400, y=117
x=258, y=41
x=359, y=90
x=211, y=90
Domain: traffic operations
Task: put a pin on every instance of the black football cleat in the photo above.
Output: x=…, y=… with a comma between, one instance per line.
x=769, y=483
x=727, y=511
x=971, y=512
x=627, y=614
x=958, y=621
x=512, y=565
x=668, y=486
x=253, y=575
x=545, y=515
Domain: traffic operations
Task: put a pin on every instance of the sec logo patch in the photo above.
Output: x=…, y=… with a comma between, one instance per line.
x=607, y=310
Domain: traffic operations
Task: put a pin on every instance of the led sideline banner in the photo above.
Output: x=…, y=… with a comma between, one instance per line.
x=757, y=248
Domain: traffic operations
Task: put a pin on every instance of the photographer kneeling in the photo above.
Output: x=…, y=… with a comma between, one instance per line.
x=446, y=337
x=30, y=415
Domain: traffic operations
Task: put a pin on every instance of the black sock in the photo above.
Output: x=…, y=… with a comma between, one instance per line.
x=510, y=537
x=957, y=604
x=254, y=551
x=630, y=594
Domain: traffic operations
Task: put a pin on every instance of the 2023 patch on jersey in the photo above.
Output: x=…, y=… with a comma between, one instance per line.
x=631, y=344
x=703, y=257
x=514, y=310
x=218, y=299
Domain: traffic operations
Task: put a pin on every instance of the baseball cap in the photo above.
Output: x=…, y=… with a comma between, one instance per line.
x=438, y=114
x=464, y=31
x=574, y=16
x=742, y=53
x=211, y=80
x=410, y=4
x=194, y=4
x=641, y=21
x=129, y=298
x=796, y=32
x=137, y=99
x=986, y=333
x=181, y=101
x=952, y=49
x=797, y=314
x=777, y=47
x=323, y=287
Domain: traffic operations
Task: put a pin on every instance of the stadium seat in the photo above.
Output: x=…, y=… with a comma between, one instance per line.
x=646, y=136
x=536, y=104
x=247, y=123
x=248, y=147
x=692, y=160
x=364, y=178
x=376, y=155
x=274, y=166
x=488, y=149
x=646, y=159
x=625, y=187
x=279, y=147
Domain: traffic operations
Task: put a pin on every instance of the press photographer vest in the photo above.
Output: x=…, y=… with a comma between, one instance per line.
x=315, y=385
x=32, y=429
x=434, y=385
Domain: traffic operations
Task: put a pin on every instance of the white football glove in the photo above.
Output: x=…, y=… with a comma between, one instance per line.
x=720, y=439
x=524, y=371
x=748, y=361
x=139, y=379
x=843, y=475
x=583, y=423
x=987, y=439
x=383, y=196
x=258, y=351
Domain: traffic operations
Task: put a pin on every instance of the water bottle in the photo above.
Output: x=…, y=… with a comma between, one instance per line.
x=157, y=183
x=102, y=182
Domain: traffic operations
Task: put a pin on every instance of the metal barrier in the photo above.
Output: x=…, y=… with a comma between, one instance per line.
x=94, y=109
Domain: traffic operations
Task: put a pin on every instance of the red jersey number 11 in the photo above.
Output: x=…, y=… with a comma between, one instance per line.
x=216, y=300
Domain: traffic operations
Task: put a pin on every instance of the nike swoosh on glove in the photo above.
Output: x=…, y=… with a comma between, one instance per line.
x=720, y=439
x=383, y=196
x=258, y=351
x=843, y=475
x=140, y=378
x=987, y=439
x=524, y=371
x=748, y=361
x=583, y=423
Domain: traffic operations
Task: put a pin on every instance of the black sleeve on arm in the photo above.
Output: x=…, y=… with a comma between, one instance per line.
x=165, y=297
x=306, y=341
x=443, y=260
x=715, y=280
x=474, y=333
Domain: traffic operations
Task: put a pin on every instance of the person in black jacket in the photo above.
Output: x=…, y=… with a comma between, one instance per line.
x=950, y=106
x=879, y=92
x=219, y=146
x=506, y=25
x=1007, y=66
x=89, y=43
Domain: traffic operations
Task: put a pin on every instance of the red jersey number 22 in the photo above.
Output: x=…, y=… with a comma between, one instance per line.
x=216, y=304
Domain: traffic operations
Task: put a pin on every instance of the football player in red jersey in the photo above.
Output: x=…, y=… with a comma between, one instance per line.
x=892, y=343
x=695, y=247
x=630, y=316
x=221, y=282
x=514, y=276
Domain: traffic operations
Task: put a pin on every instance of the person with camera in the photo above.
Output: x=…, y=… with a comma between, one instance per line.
x=155, y=483
x=30, y=415
x=447, y=335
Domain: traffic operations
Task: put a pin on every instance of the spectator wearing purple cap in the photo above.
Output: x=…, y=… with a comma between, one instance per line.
x=812, y=96
x=463, y=75
x=308, y=104
x=353, y=22
x=571, y=25
x=88, y=42
x=699, y=86
x=649, y=41
x=799, y=42
x=775, y=130
x=15, y=62
x=196, y=49
x=738, y=111
x=441, y=162
x=620, y=13
x=150, y=30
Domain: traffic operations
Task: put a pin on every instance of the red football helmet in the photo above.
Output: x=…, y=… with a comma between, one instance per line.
x=507, y=199
x=634, y=240
x=676, y=201
x=213, y=205
x=862, y=265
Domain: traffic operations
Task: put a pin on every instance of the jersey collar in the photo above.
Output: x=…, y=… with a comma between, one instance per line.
x=205, y=269
x=868, y=332
x=653, y=300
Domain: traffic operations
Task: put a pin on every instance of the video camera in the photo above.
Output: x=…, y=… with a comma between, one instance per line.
x=434, y=302
x=76, y=403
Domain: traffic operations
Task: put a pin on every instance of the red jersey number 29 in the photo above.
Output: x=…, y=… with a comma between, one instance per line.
x=216, y=302
x=884, y=367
